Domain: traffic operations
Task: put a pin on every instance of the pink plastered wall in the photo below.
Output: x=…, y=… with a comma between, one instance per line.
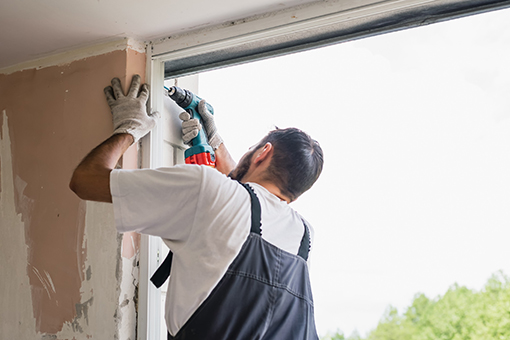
x=50, y=118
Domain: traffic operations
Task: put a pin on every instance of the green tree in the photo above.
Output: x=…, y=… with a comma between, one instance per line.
x=448, y=318
x=355, y=336
x=392, y=327
x=460, y=314
x=492, y=320
x=339, y=335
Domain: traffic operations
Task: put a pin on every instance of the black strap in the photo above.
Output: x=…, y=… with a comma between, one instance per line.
x=304, y=248
x=255, y=210
x=163, y=272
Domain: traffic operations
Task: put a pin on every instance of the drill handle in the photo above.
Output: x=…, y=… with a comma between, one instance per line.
x=200, y=152
x=201, y=138
x=189, y=102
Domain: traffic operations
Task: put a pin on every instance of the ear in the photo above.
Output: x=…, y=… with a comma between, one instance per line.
x=264, y=153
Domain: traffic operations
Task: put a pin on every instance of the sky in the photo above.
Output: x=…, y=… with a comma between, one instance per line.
x=415, y=128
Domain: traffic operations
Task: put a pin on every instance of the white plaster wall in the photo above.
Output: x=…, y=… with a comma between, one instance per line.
x=127, y=308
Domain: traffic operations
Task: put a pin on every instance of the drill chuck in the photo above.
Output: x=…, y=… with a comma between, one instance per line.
x=181, y=97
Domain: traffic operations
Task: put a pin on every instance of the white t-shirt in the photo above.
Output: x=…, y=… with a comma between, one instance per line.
x=204, y=217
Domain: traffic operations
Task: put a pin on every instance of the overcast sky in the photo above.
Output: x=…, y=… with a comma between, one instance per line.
x=415, y=127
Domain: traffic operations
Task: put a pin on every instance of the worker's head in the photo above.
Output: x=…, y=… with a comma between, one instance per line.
x=295, y=165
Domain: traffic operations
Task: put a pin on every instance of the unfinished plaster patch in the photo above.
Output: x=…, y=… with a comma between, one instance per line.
x=128, y=277
x=72, y=272
x=51, y=130
x=46, y=282
x=15, y=309
x=127, y=311
x=82, y=316
x=25, y=204
x=130, y=244
x=96, y=310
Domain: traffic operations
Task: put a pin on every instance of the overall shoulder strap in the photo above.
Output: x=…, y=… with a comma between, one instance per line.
x=304, y=248
x=255, y=210
x=163, y=272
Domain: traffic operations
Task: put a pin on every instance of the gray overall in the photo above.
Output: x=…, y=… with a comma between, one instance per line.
x=264, y=295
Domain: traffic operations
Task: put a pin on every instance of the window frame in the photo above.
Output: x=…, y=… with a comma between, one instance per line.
x=233, y=44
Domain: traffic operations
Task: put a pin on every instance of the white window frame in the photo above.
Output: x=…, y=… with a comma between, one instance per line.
x=256, y=32
x=152, y=249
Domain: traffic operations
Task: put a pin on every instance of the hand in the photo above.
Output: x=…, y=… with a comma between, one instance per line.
x=191, y=127
x=210, y=127
x=130, y=112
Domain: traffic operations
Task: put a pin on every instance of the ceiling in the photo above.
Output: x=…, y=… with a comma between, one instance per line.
x=31, y=29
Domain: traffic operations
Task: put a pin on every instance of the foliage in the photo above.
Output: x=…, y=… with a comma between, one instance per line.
x=340, y=336
x=337, y=336
x=460, y=314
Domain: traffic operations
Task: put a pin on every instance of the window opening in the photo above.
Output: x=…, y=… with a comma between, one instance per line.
x=415, y=127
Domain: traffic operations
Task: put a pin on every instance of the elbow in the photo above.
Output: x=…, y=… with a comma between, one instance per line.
x=75, y=184
x=91, y=186
x=78, y=183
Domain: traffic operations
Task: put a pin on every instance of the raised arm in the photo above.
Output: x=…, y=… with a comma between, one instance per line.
x=224, y=161
x=91, y=179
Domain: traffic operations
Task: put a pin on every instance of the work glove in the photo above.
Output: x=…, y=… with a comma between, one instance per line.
x=130, y=112
x=191, y=127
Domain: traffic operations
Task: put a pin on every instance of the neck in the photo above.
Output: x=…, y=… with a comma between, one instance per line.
x=269, y=186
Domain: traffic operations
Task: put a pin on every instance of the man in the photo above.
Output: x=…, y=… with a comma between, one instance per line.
x=239, y=251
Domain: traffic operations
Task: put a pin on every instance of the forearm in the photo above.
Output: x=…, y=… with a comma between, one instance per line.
x=91, y=179
x=224, y=161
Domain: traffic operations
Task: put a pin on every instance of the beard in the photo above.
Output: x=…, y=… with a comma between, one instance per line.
x=242, y=168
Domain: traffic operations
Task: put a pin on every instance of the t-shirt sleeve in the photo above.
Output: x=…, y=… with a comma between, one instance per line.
x=160, y=202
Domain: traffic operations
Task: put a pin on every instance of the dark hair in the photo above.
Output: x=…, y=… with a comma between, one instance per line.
x=297, y=161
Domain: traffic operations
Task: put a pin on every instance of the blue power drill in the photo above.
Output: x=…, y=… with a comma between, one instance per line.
x=200, y=152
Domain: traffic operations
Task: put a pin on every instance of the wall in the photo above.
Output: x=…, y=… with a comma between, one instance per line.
x=66, y=273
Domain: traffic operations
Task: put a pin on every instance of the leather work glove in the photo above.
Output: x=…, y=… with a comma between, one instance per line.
x=130, y=112
x=191, y=127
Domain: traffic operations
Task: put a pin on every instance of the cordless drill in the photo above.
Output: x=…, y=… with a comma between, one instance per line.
x=200, y=152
